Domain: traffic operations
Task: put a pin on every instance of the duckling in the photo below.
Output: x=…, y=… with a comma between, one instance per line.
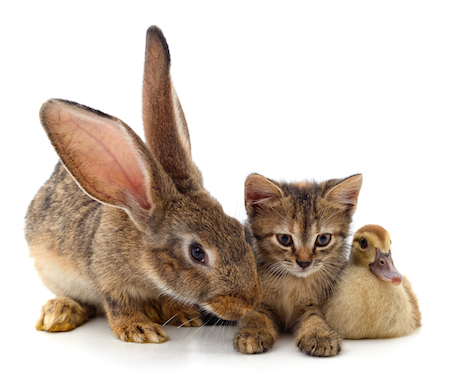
x=372, y=299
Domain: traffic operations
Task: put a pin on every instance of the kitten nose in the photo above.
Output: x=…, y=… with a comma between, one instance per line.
x=303, y=265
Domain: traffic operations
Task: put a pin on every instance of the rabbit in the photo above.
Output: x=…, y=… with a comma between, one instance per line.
x=122, y=225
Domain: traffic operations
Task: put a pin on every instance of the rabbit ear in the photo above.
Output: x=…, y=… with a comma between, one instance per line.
x=166, y=131
x=103, y=155
x=260, y=191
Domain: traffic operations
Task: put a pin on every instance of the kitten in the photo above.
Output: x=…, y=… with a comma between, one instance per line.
x=298, y=232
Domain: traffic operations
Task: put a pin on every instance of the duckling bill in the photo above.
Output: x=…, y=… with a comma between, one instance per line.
x=383, y=267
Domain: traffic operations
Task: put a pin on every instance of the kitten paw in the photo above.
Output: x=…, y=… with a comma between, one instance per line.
x=141, y=333
x=321, y=342
x=62, y=314
x=252, y=340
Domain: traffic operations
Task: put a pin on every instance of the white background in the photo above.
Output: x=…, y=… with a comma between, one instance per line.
x=296, y=90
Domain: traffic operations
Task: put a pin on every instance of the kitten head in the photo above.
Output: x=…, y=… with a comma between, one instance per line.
x=301, y=228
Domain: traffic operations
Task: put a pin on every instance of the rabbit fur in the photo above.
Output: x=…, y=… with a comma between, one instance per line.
x=122, y=226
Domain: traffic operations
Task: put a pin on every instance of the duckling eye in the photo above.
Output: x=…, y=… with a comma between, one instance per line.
x=197, y=253
x=285, y=239
x=323, y=240
x=363, y=243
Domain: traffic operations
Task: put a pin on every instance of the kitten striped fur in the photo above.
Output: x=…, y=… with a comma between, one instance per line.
x=298, y=233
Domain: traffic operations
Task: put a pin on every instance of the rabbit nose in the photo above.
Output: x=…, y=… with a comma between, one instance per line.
x=303, y=264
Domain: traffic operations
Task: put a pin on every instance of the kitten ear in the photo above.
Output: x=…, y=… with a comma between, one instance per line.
x=346, y=193
x=259, y=191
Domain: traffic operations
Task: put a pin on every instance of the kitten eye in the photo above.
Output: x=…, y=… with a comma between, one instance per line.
x=197, y=253
x=363, y=243
x=323, y=240
x=285, y=239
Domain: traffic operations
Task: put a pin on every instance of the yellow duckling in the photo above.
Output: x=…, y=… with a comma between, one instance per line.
x=372, y=300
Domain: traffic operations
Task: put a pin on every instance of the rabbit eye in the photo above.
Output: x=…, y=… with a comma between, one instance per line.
x=197, y=253
x=323, y=240
x=363, y=243
x=285, y=239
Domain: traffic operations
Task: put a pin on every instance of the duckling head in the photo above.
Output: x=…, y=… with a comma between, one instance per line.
x=371, y=247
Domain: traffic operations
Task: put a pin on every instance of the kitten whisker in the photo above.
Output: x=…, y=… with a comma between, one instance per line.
x=171, y=318
x=186, y=322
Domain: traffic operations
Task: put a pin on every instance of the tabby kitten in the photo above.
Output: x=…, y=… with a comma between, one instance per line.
x=298, y=233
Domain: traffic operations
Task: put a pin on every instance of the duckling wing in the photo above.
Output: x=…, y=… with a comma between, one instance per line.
x=347, y=308
x=365, y=307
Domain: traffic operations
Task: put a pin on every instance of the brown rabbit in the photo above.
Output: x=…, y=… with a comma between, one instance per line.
x=142, y=230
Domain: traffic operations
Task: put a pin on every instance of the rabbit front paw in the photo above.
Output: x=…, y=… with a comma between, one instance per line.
x=62, y=314
x=320, y=341
x=254, y=340
x=148, y=332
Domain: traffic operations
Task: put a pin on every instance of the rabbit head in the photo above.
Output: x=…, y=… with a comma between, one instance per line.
x=190, y=249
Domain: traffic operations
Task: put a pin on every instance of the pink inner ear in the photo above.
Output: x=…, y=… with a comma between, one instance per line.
x=346, y=193
x=258, y=189
x=349, y=197
x=255, y=193
x=100, y=154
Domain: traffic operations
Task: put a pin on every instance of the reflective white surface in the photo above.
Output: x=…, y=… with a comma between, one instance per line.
x=91, y=355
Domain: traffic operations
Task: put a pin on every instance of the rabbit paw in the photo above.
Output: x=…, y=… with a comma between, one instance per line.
x=320, y=341
x=253, y=340
x=148, y=332
x=62, y=314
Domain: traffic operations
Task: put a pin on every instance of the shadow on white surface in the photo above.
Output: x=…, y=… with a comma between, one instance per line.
x=91, y=353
